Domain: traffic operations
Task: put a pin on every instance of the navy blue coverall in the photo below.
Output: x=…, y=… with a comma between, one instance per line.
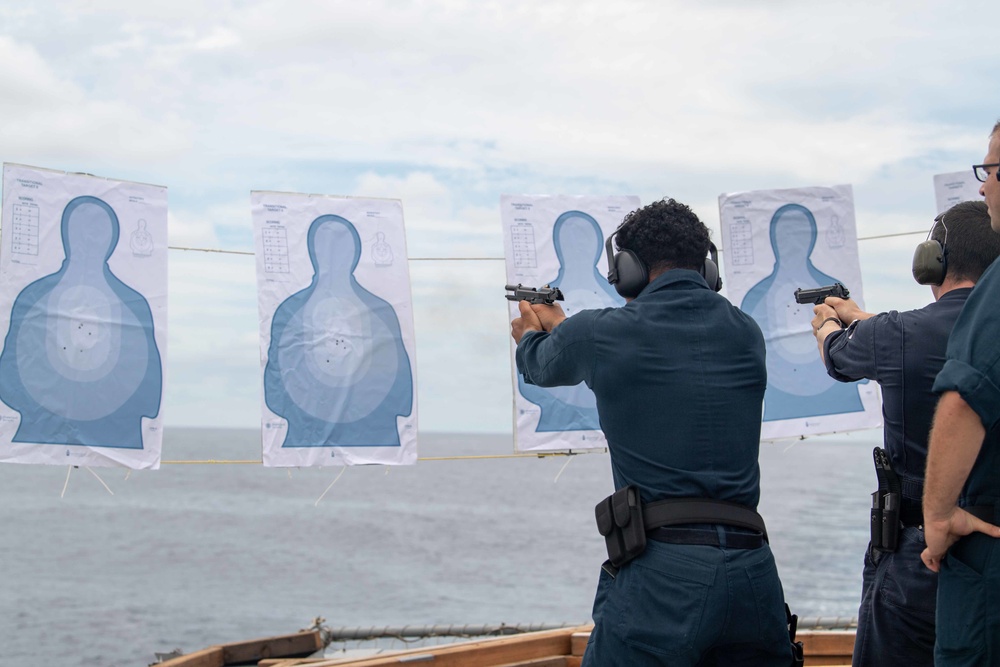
x=679, y=377
x=968, y=602
x=903, y=352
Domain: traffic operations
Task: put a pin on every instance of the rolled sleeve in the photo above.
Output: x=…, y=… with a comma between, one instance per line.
x=851, y=354
x=975, y=387
x=562, y=357
x=973, y=365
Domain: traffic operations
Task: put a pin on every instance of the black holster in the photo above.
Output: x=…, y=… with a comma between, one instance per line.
x=886, y=503
x=619, y=520
x=798, y=651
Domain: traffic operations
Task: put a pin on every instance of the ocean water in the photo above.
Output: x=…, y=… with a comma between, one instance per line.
x=194, y=555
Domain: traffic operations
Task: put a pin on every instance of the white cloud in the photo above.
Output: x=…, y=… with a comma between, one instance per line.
x=48, y=117
x=190, y=230
x=437, y=224
x=559, y=87
x=553, y=86
x=218, y=39
x=422, y=193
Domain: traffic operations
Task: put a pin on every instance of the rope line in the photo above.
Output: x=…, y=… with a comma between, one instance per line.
x=468, y=457
x=889, y=236
x=563, y=468
x=323, y=495
x=251, y=253
x=211, y=462
x=216, y=250
x=433, y=458
x=69, y=469
x=106, y=487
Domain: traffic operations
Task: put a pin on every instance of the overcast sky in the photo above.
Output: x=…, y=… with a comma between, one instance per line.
x=447, y=105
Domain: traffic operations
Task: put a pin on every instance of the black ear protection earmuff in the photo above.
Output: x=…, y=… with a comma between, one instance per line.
x=629, y=274
x=930, y=259
x=710, y=269
x=626, y=271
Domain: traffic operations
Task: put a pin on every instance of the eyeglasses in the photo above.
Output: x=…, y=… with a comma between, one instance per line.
x=980, y=170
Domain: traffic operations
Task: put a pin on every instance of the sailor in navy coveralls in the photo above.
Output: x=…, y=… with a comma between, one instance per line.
x=903, y=352
x=962, y=488
x=679, y=377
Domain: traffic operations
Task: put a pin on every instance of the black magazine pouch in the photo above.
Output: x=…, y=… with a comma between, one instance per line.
x=885, y=505
x=890, y=521
x=876, y=521
x=619, y=520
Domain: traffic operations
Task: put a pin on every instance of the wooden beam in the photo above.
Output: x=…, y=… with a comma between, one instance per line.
x=209, y=657
x=558, y=648
x=828, y=643
x=482, y=653
x=552, y=661
x=283, y=646
x=299, y=644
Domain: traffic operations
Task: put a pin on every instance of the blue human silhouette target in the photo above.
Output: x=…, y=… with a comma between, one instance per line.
x=558, y=240
x=777, y=241
x=337, y=370
x=798, y=385
x=80, y=362
x=336, y=331
x=578, y=242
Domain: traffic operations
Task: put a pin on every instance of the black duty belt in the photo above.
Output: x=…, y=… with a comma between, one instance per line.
x=731, y=539
x=624, y=521
x=680, y=511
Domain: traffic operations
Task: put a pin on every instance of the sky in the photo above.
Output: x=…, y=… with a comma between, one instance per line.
x=446, y=105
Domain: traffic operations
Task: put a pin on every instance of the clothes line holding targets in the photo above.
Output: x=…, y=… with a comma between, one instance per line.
x=83, y=301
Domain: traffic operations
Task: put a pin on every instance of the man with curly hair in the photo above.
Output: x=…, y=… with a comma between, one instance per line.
x=679, y=377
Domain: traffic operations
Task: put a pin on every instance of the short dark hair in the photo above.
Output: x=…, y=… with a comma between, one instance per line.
x=665, y=235
x=971, y=242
